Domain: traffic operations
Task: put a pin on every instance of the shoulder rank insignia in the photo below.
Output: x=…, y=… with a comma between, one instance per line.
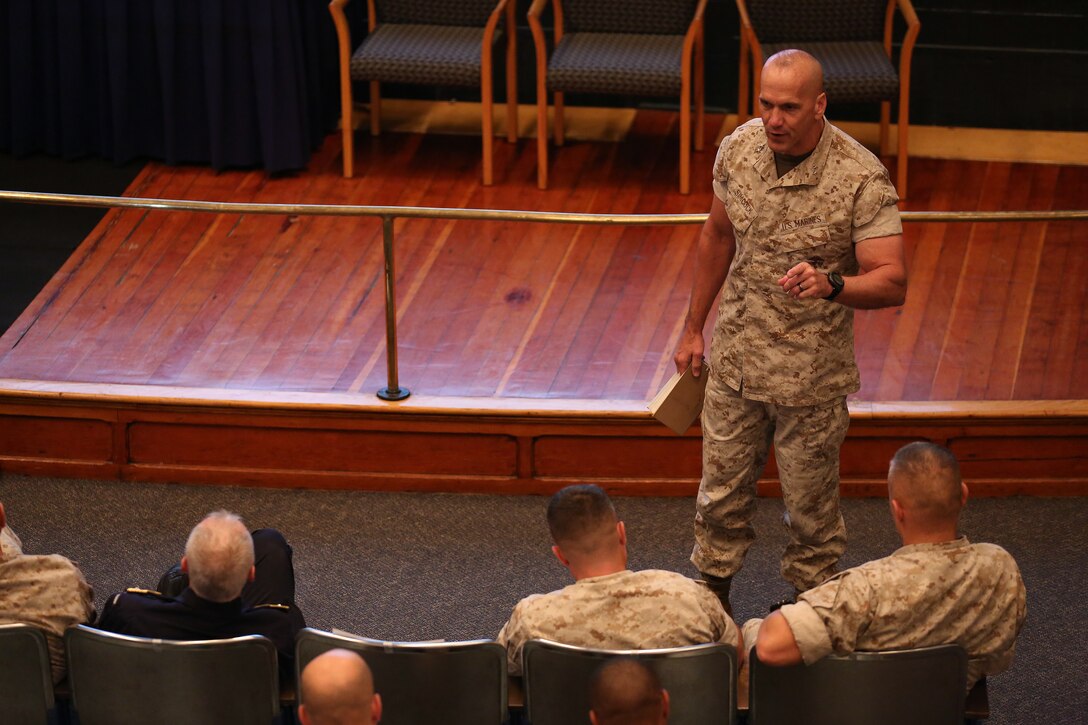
x=138, y=590
x=284, y=607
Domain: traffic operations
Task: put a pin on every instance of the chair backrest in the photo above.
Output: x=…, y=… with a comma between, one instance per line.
x=468, y=13
x=119, y=679
x=813, y=21
x=924, y=685
x=26, y=684
x=657, y=17
x=453, y=683
x=701, y=681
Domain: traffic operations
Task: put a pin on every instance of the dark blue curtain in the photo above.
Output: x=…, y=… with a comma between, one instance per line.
x=229, y=83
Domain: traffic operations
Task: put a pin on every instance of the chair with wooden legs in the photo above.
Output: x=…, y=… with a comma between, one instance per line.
x=852, y=39
x=428, y=42
x=635, y=48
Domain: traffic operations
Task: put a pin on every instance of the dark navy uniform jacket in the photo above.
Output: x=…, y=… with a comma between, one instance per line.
x=142, y=613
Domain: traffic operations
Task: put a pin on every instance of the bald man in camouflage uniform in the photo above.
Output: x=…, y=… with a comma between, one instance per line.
x=47, y=592
x=803, y=227
x=937, y=589
x=609, y=606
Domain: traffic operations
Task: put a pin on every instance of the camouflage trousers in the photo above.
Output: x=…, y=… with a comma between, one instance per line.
x=737, y=436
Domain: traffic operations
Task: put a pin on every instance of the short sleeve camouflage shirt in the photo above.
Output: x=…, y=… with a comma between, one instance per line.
x=768, y=345
x=922, y=595
x=47, y=592
x=625, y=610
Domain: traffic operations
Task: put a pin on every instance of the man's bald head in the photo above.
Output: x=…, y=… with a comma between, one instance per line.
x=924, y=478
x=338, y=689
x=800, y=64
x=626, y=692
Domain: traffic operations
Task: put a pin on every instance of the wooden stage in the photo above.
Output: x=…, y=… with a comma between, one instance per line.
x=179, y=346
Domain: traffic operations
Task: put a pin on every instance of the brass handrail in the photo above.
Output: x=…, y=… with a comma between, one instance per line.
x=431, y=212
x=389, y=214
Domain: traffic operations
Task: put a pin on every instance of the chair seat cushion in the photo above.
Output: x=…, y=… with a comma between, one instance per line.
x=622, y=63
x=853, y=71
x=426, y=54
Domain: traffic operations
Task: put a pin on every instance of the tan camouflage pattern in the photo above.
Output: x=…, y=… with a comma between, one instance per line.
x=737, y=434
x=922, y=595
x=625, y=610
x=767, y=344
x=47, y=592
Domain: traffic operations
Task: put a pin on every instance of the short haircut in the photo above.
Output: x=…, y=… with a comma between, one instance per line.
x=925, y=478
x=337, y=687
x=625, y=692
x=580, y=517
x=220, y=556
x=800, y=61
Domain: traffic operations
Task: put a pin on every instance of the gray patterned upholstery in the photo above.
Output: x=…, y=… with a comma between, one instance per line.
x=811, y=21
x=467, y=13
x=426, y=54
x=621, y=63
x=853, y=72
x=656, y=17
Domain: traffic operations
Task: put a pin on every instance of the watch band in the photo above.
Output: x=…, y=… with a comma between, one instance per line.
x=836, y=281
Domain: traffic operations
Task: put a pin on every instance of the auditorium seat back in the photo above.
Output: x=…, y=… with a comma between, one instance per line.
x=122, y=680
x=701, y=681
x=453, y=683
x=903, y=687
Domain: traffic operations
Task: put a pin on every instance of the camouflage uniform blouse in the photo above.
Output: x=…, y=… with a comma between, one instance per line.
x=47, y=592
x=768, y=345
x=922, y=595
x=626, y=610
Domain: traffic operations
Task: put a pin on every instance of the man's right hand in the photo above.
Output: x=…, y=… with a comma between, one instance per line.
x=690, y=352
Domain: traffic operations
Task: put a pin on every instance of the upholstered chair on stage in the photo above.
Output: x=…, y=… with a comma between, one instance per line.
x=634, y=48
x=427, y=42
x=852, y=40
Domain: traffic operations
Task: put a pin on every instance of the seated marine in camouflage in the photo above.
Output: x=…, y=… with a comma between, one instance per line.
x=609, y=606
x=938, y=588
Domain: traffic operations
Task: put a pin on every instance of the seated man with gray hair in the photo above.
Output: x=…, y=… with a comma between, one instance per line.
x=238, y=584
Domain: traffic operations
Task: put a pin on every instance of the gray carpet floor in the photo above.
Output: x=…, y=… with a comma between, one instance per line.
x=404, y=566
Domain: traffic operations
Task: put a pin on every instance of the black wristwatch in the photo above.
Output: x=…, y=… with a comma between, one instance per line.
x=835, y=280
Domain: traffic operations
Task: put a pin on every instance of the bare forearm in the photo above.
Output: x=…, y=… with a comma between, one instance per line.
x=881, y=287
x=712, y=260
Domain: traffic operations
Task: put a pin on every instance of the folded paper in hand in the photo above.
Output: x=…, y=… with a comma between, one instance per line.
x=680, y=401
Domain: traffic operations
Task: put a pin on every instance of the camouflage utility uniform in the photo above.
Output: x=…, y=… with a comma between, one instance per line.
x=47, y=592
x=920, y=596
x=782, y=367
x=625, y=610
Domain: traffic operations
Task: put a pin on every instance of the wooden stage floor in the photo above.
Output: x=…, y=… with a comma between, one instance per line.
x=280, y=308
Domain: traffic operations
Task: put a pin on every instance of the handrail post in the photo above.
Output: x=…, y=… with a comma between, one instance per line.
x=392, y=391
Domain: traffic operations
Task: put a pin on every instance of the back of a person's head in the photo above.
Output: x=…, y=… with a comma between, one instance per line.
x=581, y=518
x=337, y=688
x=925, y=479
x=220, y=557
x=626, y=692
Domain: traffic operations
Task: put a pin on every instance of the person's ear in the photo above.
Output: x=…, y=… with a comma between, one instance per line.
x=185, y=564
x=303, y=716
x=622, y=531
x=821, y=104
x=252, y=574
x=898, y=512
x=593, y=718
x=376, y=708
x=559, y=555
x=964, y=493
x=664, y=705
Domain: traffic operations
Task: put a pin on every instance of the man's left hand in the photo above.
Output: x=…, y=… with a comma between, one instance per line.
x=804, y=282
